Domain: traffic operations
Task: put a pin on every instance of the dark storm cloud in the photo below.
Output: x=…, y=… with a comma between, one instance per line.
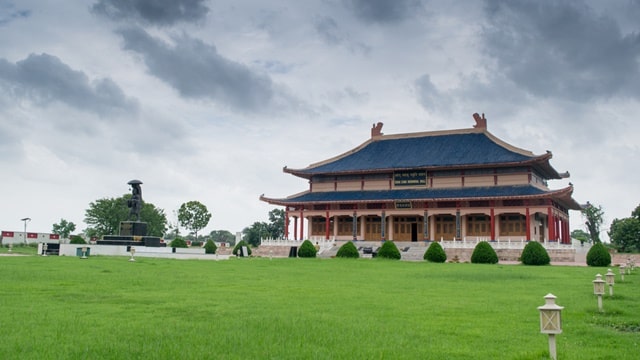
x=561, y=49
x=44, y=79
x=157, y=12
x=8, y=13
x=384, y=11
x=196, y=70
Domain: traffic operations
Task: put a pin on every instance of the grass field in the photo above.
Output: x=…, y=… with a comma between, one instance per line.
x=110, y=308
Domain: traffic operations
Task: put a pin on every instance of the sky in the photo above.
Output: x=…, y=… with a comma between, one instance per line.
x=209, y=100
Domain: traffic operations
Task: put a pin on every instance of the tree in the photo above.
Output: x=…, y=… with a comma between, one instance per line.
x=64, y=228
x=580, y=235
x=276, y=224
x=194, y=216
x=595, y=217
x=104, y=216
x=625, y=233
x=255, y=232
x=222, y=236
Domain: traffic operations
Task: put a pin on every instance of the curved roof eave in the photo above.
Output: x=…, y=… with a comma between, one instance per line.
x=561, y=195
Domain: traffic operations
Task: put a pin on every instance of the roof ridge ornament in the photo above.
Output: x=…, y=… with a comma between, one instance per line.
x=481, y=122
x=376, y=130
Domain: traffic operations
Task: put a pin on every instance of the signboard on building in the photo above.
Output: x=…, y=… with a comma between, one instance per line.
x=409, y=178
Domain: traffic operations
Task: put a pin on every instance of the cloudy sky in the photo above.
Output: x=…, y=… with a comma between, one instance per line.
x=208, y=100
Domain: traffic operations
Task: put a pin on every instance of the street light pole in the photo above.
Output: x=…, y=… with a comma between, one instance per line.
x=26, y=220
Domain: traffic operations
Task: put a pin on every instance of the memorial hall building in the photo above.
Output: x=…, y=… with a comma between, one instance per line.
x=431, y=186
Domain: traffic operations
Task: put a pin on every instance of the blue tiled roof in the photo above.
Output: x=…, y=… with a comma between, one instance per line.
x=416, y=194
x=462, y=149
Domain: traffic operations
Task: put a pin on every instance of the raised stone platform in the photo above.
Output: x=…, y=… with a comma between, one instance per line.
x=129, y=240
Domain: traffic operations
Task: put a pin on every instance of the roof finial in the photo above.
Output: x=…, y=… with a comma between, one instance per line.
x=376, y=130
x=481, y=122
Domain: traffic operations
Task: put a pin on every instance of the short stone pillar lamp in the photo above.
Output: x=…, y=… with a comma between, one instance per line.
x=622, y=270
x=630, y=265
x=44, y=249
x=598, y=289
x=84, y=252
x=610, y=276
x=132, y=251
x=551, y=321
x=10, y=247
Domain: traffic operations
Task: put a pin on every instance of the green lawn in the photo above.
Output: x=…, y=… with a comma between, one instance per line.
x=110, y=308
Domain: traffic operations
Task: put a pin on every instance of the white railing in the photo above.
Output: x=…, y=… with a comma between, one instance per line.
x=515, y=243
x=323, y=244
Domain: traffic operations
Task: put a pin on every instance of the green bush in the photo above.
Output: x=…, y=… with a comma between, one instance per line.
x=238, y=252
x=307, y=250
x=348, y=250
x=210, y=247
x=178, y=243
x=598, y=255
x=535, y=254
x=435, y=253
x=75, y=239
x=389, y=250
x=484, y=254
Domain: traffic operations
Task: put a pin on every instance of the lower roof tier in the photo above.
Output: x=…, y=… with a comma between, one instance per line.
x=562, y=196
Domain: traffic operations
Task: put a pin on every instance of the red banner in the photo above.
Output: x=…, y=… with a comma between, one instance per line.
x=54, y=236
x=32, y=235
x=7, y=234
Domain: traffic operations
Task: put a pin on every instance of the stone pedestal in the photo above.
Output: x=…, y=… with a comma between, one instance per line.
x=133, y=228
x=132, y=233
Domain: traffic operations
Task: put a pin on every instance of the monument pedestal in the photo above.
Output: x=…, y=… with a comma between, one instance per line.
x=132, y=233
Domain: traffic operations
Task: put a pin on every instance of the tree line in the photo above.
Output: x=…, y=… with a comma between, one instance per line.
x=103, y=217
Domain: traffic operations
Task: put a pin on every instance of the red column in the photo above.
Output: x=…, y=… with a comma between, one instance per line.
x=528, y=227
x=295, y=228
x=286, y=224
x=301, y=226
x=493, y=225
x=551, y=224
x=326, y=226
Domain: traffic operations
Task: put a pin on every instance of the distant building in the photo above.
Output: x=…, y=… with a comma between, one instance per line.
x=18, y=237
x=439, y=185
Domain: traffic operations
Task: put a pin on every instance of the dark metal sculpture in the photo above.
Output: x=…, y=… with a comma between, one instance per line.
x=135, y=203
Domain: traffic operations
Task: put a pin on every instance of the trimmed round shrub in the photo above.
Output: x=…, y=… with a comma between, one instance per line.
x=348, y=250
x=75, y=239
x=598, y=255
x=484, y=254
x=178, y=243
x=237, y=249
x=535, y=254
x=389, y=250
x=307, y=250
x=210, y=247
x=435, y=253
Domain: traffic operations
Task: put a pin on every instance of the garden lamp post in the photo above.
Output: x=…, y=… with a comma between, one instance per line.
x=598, y=289
x=132, y=251
x=25, y=220
x=610, y=280
x=44, y=249
x=622, y=270
x=550, y=321
x=84, y=252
